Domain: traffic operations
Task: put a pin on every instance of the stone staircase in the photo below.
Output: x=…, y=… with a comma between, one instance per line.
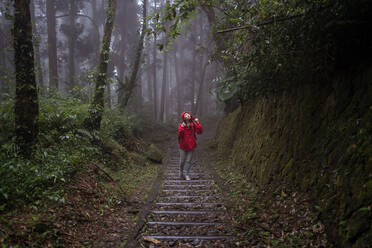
x=187, y=213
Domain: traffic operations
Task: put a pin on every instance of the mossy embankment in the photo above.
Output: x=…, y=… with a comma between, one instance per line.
x=315, y=139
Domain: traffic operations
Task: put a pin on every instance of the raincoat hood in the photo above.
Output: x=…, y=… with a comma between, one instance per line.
x=183, y=113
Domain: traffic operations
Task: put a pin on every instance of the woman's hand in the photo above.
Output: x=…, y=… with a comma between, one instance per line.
x=197, y=120
x=183, y=124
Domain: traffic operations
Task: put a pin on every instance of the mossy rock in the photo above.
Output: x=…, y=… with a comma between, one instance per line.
x=137, y=159
x=154, y=154
x=117, y=152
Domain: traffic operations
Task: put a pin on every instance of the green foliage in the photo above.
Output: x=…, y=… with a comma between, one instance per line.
x=63, y=147
x=118, y=126
x=269, y=46
x=6, y=118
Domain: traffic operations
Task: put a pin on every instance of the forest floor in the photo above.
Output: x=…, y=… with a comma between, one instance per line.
x=269, y=216
x=98, y=214
x=261, y=217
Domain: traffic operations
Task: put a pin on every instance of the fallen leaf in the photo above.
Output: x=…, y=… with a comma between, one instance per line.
x=152, y=240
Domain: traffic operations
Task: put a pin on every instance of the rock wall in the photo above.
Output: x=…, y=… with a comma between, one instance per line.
x=316, y=139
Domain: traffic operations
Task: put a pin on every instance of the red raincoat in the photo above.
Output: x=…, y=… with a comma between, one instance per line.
x=186, y=135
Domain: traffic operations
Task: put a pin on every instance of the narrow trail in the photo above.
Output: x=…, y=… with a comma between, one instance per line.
x=186, y=213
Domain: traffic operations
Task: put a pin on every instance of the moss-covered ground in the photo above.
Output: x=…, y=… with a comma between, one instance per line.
x=314, y=140
x=268, y=216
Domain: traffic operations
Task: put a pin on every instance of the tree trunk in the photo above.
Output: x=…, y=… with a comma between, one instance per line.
x=164, y=84
x=154, y=56
x=97, y=106
x=71, y=45
x=110, y=73
x=193, y=78
x=96, y=41
x=148, y=73
x=52, y=44
x=178, y=80
x=26, y=109
x=122, y=66
x=2, y=66
x=202, y=69
x=199, y=99
x=36, y=42
x=133, y=77
x=155, y=99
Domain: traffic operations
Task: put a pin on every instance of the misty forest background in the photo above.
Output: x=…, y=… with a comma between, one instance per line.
x=98, y=86
x=93, y=58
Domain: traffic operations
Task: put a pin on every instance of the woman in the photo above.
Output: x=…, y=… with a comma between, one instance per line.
x=187, y=131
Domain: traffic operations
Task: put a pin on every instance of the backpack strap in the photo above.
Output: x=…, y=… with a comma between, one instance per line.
x=193, y=126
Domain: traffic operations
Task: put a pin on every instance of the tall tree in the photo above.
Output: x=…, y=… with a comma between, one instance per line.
x=202, y=68
x=95, y=21
x=72, y=43
x=178, y=79
x=163, y=86
x=36, y=42
x=123, y=30
x=133, y=77
x=97, y=106
x=164, y=82
x=154, y=52
x=193, y=66
x=150, y=89
x=52, y=44
x=26, y=107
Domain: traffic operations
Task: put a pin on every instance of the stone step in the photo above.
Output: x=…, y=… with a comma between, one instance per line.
x=191, y=206
x=186, y=203
x=187, y=212
x=203, y=193
x=189, y=186
x=209, y=217
x=174, y=223
x=180, y=237
x=190, y=198
x=211, y=230
x=192, y=177
x=190, y=181
x=192, y=171
x=190, y=190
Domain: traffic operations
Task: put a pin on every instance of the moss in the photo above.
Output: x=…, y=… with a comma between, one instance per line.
x=359, y=222
x=288, y=168
x=364, y=241
x=117, y=152
x=366, y=194
x=137, y=159
x=226, y=130
x=154, y=154
x=320, y=145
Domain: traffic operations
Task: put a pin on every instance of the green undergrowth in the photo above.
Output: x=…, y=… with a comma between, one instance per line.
x=271, y=216
x=135, y=181
x=73, y=172
x=63, y=147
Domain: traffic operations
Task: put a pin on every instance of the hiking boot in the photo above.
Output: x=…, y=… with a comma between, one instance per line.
x=187, y=177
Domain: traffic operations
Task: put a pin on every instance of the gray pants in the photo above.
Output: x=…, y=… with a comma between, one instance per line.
x=185, y=161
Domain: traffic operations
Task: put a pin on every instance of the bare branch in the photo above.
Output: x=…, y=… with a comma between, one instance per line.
x=273, y=20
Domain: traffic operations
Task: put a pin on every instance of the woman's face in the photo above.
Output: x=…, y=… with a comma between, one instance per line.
x=187, y=116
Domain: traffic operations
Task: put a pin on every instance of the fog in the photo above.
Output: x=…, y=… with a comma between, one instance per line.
x=187, y=75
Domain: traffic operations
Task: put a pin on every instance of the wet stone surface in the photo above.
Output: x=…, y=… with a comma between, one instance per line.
x=187, y=213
